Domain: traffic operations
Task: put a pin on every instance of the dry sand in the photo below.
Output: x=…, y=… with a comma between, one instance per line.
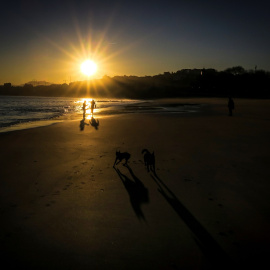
x=64, y=206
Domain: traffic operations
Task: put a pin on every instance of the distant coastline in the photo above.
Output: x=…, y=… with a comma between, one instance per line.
x=235, y=81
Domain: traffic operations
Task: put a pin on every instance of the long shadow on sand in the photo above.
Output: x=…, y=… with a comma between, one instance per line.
x=217, y=257
x=94, y=122
x=138, y=193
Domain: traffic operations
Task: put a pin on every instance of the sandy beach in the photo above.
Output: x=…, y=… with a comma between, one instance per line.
x=64, y=206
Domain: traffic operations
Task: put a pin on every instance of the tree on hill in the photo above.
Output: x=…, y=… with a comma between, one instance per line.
x=238, y=70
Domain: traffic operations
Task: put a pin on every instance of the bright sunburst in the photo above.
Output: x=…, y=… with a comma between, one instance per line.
x=88, y=67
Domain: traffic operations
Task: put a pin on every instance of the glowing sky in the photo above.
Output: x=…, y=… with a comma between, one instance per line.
x=48, y=40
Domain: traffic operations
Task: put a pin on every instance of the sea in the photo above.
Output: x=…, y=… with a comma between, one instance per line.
x=22, y=112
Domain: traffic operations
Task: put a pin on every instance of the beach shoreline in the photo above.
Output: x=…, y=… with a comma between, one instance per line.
x=63, y=205
x=158, y=106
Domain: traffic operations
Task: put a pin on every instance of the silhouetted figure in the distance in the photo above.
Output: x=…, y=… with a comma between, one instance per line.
x=84, y=108
x=93, y=105
x=120, y=156
x=230, y=106
x=149, y=160
x=94, y=122
x=82, y=124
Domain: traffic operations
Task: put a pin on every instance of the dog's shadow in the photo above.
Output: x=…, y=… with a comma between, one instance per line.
x=138, y=193
x=218, y=258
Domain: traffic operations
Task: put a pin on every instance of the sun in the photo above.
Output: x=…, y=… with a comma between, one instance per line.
x=88, y=67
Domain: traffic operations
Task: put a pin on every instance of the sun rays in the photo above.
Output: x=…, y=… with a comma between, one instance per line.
x=87, y=55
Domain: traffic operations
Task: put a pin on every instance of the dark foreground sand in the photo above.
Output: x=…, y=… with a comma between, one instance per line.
x=64, y=206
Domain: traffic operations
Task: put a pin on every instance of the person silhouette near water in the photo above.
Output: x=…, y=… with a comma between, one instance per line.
x=230, y=106
x=84, y=108
x=93, y=105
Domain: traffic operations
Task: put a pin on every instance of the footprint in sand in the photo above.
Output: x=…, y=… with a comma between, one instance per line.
x=8, y=234
x=28, y=216
x=227, y=233
x=219, y=205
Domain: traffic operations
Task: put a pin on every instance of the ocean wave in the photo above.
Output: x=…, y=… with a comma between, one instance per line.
x=18, y=110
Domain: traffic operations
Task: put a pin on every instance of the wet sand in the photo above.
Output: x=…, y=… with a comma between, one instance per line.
x=64, y=206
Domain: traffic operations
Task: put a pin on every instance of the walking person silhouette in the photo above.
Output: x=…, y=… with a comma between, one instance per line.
x=84, y=108
x=93, y=105
x=230, y=106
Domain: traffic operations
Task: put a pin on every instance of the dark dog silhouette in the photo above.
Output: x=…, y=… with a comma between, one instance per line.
x=149, y=160
x=120, y=156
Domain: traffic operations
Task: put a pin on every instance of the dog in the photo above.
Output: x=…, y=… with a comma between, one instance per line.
x=120, y=156
x=149, y=160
